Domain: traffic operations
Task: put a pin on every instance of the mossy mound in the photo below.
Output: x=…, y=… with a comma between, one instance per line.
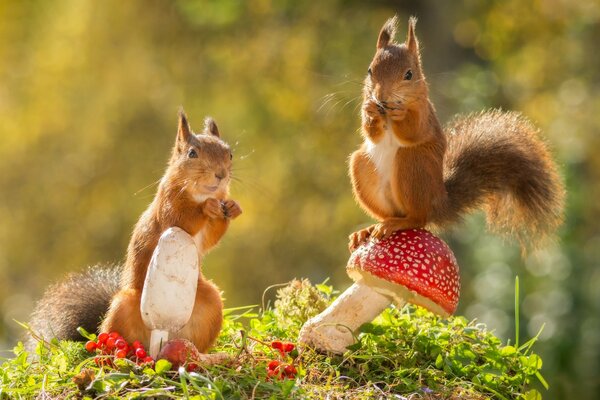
x=402, y=353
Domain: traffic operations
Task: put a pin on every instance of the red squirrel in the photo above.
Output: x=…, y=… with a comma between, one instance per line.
x=411, y=173
x=193, y=195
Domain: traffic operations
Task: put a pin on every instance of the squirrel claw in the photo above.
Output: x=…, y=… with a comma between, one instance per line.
x=212, y=208
x=231, y=209
x=358, y=238
x=383, y=231
x=372, y=110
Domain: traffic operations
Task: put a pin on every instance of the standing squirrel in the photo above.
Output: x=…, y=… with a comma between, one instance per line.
x=192, y=195
x=410, y=173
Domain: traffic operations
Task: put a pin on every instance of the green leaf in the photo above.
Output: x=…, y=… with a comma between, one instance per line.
x=162, y=366
x=532, y=395
x=508, y=351
x=355, y=346
x=325, y=289
x=542, y=380
x=86, y=334
x=439, y=361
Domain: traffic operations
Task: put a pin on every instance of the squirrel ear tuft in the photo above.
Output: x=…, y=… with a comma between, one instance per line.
x=411, y=39
x=388, y=32
x=210, y=127
x=184, y=132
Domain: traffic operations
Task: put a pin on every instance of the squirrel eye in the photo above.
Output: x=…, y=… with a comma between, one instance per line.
x=408, y=75
x=192, y=153
x=231, y=156
x=370, y=72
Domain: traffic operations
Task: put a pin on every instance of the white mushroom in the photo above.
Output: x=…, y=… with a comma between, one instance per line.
x=170, y=286
x=411, y=266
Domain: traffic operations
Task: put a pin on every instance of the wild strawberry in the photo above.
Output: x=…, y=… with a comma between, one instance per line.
x=121, y=354
x=91, y=346
x=140, y=353
x=137, y=344
x=121, y=344
x=114, y=335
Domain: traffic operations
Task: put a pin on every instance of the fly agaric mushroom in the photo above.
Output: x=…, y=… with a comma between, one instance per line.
x=411, y=266
x=170, y=286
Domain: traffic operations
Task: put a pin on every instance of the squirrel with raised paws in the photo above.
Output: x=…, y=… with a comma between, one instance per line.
x=193, y=195
x=411, y=173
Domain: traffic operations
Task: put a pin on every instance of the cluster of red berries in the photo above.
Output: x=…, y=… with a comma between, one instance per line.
x=113, y=344
x=283, y=347
x=278, y=369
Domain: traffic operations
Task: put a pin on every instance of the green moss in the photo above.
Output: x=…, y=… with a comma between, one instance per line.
x=400, y=353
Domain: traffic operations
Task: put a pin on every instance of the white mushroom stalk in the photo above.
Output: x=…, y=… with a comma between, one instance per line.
x=333, y=330
x=170, y=286
x=411, y=266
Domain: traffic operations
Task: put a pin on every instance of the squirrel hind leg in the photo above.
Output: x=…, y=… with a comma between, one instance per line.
x=124, y=316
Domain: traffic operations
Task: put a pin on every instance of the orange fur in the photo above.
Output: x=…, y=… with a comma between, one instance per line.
x=408, y=173
x=186, y=199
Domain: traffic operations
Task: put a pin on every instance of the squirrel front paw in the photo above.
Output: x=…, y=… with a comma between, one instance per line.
x=212, y=208
x=358, y=238
x=231, y=209
x=372, y=113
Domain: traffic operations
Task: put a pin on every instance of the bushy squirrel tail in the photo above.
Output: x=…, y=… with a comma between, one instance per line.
x=495, y=160
x=81, y=299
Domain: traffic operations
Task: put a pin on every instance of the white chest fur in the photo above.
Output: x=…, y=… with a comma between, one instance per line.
x=382, y=154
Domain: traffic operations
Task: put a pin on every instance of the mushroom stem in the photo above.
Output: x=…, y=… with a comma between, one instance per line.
x=334, y=329
x=158, y=338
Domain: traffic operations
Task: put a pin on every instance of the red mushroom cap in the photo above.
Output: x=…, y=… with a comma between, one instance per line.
x=410, y=266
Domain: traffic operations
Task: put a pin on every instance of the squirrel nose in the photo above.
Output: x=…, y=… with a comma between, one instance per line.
x=220, y=175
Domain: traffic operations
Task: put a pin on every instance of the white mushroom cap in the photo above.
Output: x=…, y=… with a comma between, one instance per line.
x=170, y=286
x=410, y=266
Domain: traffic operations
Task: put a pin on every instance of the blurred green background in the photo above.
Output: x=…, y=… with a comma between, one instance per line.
x=88, y=98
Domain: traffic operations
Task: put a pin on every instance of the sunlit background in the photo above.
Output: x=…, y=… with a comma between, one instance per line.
x=89, y=92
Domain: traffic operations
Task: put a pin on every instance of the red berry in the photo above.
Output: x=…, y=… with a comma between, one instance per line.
x=148, y=359
x=110, y=343
x=140, y=353
x=191, y=367
x=91, y=346
x=276, y=344
x=114, y=335
x=287, y=347
x=290, y=371
x=121, y=354
x=273, y=365
x=137, y=344
x=121, y=344
x=102, y=338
